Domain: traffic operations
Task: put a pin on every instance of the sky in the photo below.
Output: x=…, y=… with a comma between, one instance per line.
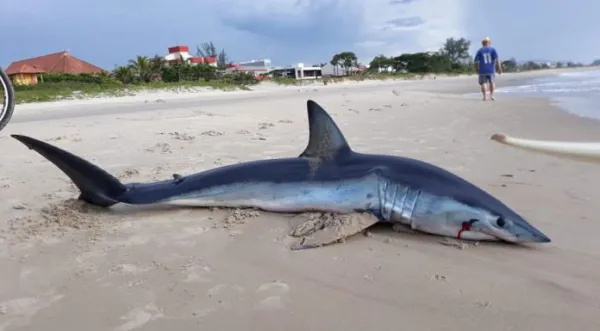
x=109, y=32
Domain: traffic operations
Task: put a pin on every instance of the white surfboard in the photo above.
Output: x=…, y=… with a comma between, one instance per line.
x=583, y=151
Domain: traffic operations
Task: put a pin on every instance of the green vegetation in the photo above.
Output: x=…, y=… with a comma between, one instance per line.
x=141, y=73
x=452, y=58
x=153, y=73
x=209, y=50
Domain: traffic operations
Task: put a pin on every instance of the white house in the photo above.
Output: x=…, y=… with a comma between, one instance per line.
x=178, y=54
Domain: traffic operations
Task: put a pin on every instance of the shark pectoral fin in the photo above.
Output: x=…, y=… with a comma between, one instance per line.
x=328, y=228
x=326, y=140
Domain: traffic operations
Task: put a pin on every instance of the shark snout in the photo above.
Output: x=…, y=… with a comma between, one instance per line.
x=515, y=231
x=526, y=233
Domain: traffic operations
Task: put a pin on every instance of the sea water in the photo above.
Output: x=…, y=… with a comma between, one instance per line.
x=577, y=92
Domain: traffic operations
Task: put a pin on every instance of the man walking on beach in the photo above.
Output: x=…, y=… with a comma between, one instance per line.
x=486, y=62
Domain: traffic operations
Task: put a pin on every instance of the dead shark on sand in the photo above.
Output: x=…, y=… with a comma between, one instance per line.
x=327, y=177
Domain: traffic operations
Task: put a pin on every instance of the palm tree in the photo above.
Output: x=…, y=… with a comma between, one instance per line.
x=124, y=74
x=335, y=62
x=141, y=66
x=157, y=64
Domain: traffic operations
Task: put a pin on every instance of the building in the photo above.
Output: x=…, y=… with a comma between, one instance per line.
x=330, y=70
x=264, y=64
x=298, y=71
x=302, y=72
x=384, y=69
x=181, y=54
x=255, y=67
x=24, y=74
x=27, y=72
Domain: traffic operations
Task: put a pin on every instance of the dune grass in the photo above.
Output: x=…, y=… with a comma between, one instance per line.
x=77, y=90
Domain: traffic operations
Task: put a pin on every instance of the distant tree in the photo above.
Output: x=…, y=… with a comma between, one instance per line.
x=530, y=65
x=347, y=60
x=157, y=64
x=380, y=61
x=208, y=49
x=596, y=62
x=141, y=67
x=222, y=60
x=510, y=65
x=335, y=62
x=560, y=64
x=457, y=50
x=423, y=62
x=124, y=74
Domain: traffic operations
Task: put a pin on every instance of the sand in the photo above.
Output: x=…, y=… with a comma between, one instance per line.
x=65, y=265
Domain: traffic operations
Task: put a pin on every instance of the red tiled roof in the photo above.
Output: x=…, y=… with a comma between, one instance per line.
x=24, y=69
x=180, y=48
x=61, y=62
x=210, y=59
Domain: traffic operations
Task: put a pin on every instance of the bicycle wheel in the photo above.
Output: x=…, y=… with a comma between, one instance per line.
x=7, y=99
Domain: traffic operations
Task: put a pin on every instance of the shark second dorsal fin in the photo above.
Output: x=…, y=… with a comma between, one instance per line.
x=325, y=141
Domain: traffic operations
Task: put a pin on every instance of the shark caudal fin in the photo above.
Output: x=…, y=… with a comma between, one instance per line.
x=326, y=140
x=96, y=185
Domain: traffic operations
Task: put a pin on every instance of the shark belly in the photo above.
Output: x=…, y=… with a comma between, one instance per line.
x=342, y=196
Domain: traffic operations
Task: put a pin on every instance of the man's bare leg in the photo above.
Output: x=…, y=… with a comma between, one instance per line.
x=483, y=91
x=492, y=83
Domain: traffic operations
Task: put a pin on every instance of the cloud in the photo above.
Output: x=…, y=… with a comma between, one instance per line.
x=366, y=27
x=406, y=22
x=286, y=31
x=400, y=2
x=412, y=26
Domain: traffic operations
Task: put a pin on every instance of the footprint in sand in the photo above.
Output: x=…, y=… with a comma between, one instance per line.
x=20, y=311
x=197, y=274
x=211, y=133
x=273, y=293
x=160, y=147
x=138, y=317
x=263, y=126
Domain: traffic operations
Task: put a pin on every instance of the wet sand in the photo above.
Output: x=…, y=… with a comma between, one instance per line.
x=69, y=266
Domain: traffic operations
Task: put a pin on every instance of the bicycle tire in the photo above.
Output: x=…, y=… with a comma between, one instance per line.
x=8, y=108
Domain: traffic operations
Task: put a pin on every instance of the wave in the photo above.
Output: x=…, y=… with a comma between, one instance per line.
x=586, y=73
x=567, y=82
x=577, y=92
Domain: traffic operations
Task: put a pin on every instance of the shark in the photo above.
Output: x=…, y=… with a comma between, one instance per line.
x=328, y=176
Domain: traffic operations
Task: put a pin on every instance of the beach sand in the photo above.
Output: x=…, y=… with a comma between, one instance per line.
x=69, y=266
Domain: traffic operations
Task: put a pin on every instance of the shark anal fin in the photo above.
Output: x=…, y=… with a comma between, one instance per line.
x=177, y=178
x=326, y=140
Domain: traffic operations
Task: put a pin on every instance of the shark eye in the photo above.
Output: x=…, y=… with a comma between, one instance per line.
x=500, y=222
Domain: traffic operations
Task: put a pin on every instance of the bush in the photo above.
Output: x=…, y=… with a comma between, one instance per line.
x=239, y=78
x=184, y=72
x=79, y=78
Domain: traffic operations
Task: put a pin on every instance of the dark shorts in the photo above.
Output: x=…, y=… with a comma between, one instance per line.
x=486, y=78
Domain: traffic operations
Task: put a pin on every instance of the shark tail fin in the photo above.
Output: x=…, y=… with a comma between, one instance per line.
x=97, y=186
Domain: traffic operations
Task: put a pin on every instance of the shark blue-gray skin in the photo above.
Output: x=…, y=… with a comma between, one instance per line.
x=328, y=177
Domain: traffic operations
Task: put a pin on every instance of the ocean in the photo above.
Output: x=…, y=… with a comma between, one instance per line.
x=577, y=92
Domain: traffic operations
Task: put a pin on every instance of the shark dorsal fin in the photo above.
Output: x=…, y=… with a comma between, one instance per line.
x=325, y=141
